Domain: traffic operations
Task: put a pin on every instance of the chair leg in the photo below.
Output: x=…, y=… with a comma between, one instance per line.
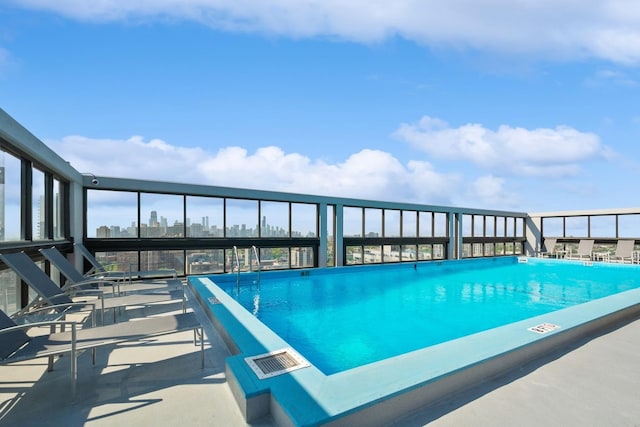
x=74, y=363
x=201, y=331
x=52, y=330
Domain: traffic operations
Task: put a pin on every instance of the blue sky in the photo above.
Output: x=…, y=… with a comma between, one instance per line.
x=518, y=105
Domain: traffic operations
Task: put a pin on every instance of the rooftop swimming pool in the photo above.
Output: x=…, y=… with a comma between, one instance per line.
x=374, y=314
x=383, y=340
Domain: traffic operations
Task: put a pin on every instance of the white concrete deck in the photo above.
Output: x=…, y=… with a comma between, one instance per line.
x=155, y=383
x=159, y=383
x=597, y=383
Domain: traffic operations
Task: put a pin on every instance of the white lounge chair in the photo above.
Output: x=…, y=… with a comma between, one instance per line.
x=548, y=248
x=112, y=284
x=16, y=345
x=584, y=251
x=51, y=294
x=624, y=251
x=128, y=275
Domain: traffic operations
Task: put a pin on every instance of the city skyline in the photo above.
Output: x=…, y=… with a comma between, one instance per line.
x=161, y=228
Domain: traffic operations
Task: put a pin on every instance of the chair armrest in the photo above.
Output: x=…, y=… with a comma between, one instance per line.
x=35, y=311
x=103, y=276
x=69, y=304
x=115, y=284
x=150, y=273
x=52, y=323
x=80, y=292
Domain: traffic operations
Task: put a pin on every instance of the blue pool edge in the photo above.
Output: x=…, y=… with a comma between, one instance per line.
x=384, y=391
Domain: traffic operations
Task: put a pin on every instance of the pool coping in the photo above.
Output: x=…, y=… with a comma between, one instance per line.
x=383, y=391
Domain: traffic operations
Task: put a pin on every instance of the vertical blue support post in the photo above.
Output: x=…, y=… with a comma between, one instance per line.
x=339, y=249
x=459, y=219
x=455, y=245
x=323, y=234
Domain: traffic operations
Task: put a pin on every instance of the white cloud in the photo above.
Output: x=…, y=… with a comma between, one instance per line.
x=367, y=174
x=132, y=157
x=618, y=45
x=489, y=191
x=611, y=76
x=544, y=152
x=607, y=29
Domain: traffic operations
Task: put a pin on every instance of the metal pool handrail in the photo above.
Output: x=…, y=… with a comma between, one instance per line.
x=235, y=254
x=255, y=252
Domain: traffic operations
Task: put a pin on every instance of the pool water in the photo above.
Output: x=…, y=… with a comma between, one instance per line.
x=339, y=321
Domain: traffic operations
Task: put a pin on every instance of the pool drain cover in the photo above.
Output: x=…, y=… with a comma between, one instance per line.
x=276, y=363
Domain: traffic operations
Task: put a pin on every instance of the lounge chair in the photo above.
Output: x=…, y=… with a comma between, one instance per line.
x=624, y=251
x=584, y=251
x=39, y=313
x=548, y=247
x=51, y=294
x=76, y=279
x=128, y=275
x=16, y=345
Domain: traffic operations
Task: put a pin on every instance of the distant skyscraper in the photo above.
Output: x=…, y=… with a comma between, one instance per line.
x=153, y=221
x=103, y=232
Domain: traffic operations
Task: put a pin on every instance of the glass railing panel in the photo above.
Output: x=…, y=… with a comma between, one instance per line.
x=274, y=221
x=439, y=251
x=205, y=217
x=304, y=220
x=425, y=252
x=274, y=258
x=206, y=261
x=112, y=214
x=372, y=254
x=391, y=253
x=9, y=286
x=354, y=255
x=302, y=257
x=118, y=260
x=409, y=253
x=162, y=259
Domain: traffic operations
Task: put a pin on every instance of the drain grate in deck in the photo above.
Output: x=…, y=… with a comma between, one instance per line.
x=276, y=363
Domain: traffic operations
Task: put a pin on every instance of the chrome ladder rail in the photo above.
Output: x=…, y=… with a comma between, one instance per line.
x=255, y=252
x=237, y=259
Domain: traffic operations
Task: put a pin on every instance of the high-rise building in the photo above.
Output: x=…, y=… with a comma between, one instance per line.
x=103, y=232
x=153, y=220
x=301, y=257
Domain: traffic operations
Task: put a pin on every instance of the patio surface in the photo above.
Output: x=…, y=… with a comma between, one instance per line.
x=159, y=382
